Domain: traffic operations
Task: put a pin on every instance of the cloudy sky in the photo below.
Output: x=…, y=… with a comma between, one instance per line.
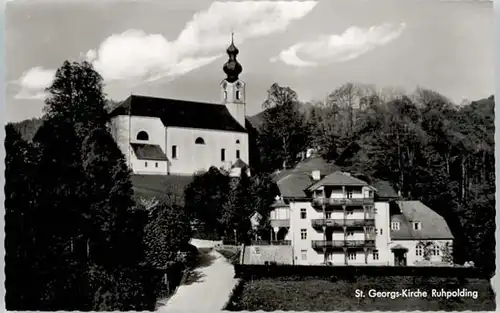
x=176, y=48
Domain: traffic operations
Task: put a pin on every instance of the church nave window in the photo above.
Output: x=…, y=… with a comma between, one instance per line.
x=222, y=155
x=174, y=152
x=142, y=135
x=199, y=141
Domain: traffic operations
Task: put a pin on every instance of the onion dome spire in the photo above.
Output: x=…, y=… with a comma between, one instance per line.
x=232, y=68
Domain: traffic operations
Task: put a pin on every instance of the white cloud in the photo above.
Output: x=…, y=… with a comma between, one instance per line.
x=27, y=95
x=136, y=55
x=354, y=42
x=33, y=83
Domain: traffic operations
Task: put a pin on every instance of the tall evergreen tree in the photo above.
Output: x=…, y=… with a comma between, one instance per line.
x=19, y=222
x=205, y=197
x=115, y=225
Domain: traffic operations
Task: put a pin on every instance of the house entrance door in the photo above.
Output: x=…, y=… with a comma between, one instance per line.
x=399, y=257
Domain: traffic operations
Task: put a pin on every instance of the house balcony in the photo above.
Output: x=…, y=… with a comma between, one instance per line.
x=328, y=202
x=338, y=244
x=278, y=223
x=327, y=222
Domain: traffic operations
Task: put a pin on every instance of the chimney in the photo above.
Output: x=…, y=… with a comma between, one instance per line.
x=316, y=175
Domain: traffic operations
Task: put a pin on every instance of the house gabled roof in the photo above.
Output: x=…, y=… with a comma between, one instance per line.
x=239, y=164
x=307, y=166
x=338, y=179
x=294, y=185
x=434, y=225
x=180, y=113
x=148, y=152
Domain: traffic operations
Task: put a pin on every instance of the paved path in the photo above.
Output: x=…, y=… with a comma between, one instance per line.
x=207, y=289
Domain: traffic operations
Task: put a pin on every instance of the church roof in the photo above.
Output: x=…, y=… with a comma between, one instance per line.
x=148, y=152
x=180, y=113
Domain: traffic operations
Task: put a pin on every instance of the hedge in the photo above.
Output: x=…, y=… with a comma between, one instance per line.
x=247, y=271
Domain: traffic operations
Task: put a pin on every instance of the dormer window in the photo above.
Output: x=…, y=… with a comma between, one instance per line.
x=142, y=135
x=394, y=225
x=199, y=141
x=417, y=225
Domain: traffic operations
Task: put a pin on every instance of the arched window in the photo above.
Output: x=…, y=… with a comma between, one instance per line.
x=225, y=95
x=237, y=95
x=237, y=141
x=199, y=141
x=142, y=135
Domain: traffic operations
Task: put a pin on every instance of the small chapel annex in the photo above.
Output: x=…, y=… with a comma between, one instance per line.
x=161, y=136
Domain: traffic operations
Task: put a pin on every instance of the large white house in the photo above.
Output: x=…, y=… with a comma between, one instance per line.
x=339, y=219
x=161, y=136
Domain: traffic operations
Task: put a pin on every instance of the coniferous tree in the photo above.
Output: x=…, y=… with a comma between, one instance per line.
x=205, y=197
x=115, y=223
x=60, y=200
x=19, y=223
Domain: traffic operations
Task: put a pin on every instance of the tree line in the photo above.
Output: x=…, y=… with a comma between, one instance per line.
x=426, y=146
x=76, y=237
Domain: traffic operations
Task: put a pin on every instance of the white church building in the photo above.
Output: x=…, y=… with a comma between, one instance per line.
x=160, y=136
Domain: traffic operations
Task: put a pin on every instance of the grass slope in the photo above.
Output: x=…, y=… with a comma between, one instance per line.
x=160, y=186
x=320, y=294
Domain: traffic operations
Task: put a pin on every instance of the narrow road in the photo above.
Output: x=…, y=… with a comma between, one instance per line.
x=208, y=288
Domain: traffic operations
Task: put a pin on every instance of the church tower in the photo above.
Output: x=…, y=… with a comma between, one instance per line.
x=232, y=88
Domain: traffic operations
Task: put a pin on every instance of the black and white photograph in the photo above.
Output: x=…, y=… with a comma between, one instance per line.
x=204, y=156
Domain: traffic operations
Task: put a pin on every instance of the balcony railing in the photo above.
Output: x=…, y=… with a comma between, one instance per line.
x=319, y=244
x=271, y=242
x=280, y=222
x=341, y=201
x=328, y=222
